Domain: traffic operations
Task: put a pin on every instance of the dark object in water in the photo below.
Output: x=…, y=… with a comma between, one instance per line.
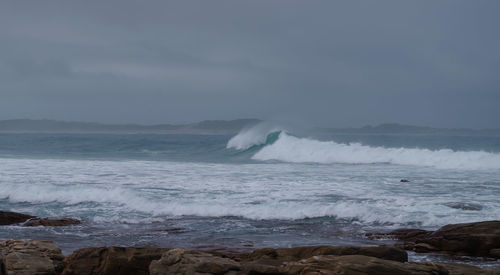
x=403, y=180
x=51, y=222
x=7, y=218
x=170, y=230
x=464, y=206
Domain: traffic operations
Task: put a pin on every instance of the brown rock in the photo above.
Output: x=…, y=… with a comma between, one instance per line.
x=298, y=253
x=495, y=253
x=181, y=261
x=359, y=265
x=51, y=222
x=111, y=260
x=408, y=234
x=424, y=247
x=470, y=239
x=30, y=257
x=263, y=266
x=463, y=269
x=7, y=218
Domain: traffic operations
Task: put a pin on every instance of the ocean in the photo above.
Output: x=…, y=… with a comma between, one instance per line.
x=264, y=187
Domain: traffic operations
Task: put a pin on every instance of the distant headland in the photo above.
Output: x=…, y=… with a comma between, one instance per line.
x=56, y=126
x=219, y=127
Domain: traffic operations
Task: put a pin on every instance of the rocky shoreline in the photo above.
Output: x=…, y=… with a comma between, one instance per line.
x=481, y=239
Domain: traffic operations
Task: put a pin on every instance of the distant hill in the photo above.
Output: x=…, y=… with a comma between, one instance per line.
x=217, y=127
x=55, y=126
x=400, y=129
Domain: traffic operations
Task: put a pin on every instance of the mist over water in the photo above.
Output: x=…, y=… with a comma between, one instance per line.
x=264, y=187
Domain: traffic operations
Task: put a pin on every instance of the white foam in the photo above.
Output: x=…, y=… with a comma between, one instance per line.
x=138, y=191
x=300, y=150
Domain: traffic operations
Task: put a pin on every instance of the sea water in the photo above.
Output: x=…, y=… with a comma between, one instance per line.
x=264, y=187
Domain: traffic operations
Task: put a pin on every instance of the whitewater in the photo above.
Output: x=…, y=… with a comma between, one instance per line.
x=292, y=149
x=264, y=187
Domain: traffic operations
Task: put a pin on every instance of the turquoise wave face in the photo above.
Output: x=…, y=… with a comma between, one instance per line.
x=270, y=139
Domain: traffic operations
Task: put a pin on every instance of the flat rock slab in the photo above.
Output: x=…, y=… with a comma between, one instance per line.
x=360, y=264
x=298, y=253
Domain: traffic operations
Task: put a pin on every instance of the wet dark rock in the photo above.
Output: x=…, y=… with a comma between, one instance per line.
x=495, y=253
x=111, y=260
x=407, y=234
x=51, y=222
x=480, y=239
x=464, y=206
x=7, y=218
x=403, y=180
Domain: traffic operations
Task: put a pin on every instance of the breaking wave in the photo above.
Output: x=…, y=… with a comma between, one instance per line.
x=258, y=135
x=292, y=149
x=281, y=146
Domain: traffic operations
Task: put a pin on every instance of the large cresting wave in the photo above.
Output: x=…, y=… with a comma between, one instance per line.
x=288, y=148
x=293, y=149
x=258, y=135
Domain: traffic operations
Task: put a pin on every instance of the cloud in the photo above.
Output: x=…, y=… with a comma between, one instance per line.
x=328, y=63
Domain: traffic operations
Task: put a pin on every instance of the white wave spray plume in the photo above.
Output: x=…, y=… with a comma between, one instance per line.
x=255, y=135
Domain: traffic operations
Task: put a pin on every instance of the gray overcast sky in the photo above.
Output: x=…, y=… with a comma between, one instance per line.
x=326, y=63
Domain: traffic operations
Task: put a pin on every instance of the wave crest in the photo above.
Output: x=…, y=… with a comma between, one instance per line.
x=302, y=150
x=260, y=134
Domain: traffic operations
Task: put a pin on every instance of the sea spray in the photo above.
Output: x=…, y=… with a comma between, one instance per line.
x=253, y=136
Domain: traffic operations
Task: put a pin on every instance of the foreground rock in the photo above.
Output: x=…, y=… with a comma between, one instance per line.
x=30, y=257
x=182, y=261
x=304, y=252
x=111, y=260
x=43, y=257
x=7, y=218
x=481, y=239
x=51, y=222
x=359, y=264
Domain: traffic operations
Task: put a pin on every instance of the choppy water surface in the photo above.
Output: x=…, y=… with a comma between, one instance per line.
x=261, y=188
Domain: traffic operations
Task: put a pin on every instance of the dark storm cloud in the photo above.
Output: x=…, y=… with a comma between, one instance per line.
x=336, y=63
